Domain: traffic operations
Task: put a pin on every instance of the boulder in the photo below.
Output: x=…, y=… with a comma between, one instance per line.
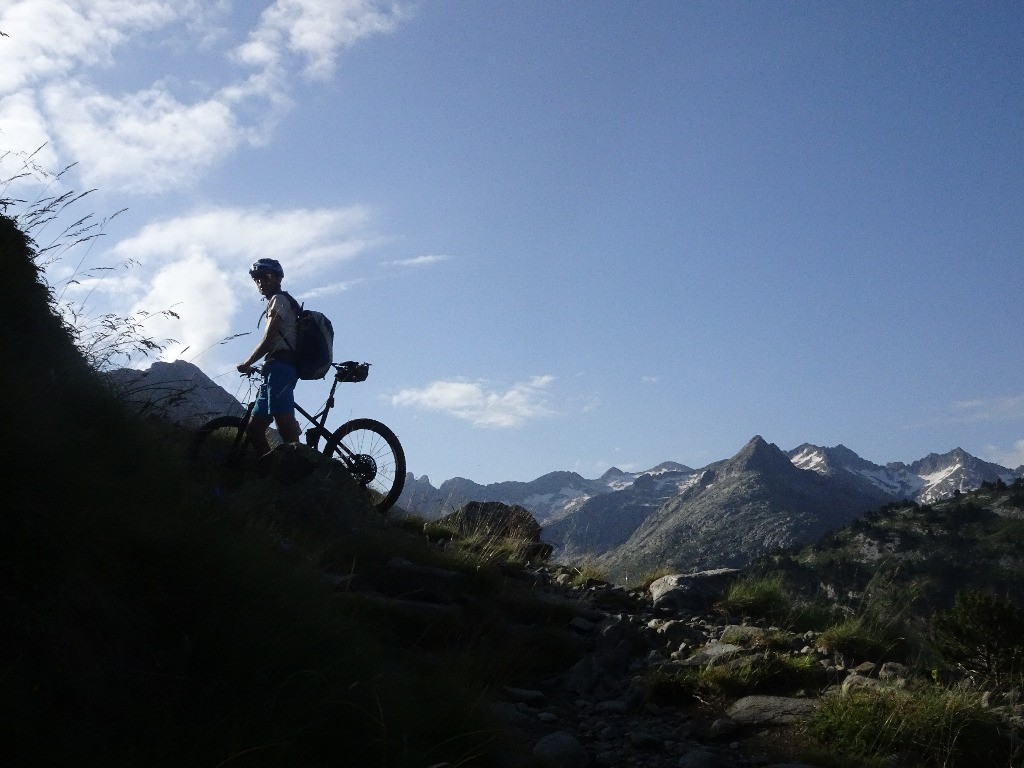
x=770, y=710
x=561, y=750
x=492, y=518
x=691, y=591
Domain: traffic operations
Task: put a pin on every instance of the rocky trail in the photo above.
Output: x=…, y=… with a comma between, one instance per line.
x=599, y=712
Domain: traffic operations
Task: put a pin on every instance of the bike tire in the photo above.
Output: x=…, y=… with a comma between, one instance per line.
x=219, y=451
x=374, y=456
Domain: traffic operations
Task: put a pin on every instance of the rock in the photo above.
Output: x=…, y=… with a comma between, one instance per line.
x=509, y=713
x=744, y=635
x=402, y=578
x=770, y=710
x=646, y=741
x=705, y=758
x=588, y=678
x=723, y=726
x=492, y=518
x=678, y=632
x=561, y=750
x=691, y=591
x=713, y=653
x=524, y=696
x=855, y=681
x=867, y=669
x=581, y=625
x=892, y=670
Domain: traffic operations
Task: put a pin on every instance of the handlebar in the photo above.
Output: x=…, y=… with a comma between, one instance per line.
x=349, y=371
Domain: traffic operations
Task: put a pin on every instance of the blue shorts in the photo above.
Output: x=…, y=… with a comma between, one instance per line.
x=277, y=393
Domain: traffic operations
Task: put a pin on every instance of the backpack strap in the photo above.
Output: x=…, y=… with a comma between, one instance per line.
x=288, y=355
x=293, y=301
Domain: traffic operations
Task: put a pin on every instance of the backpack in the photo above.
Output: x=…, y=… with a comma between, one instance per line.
x=314, y=350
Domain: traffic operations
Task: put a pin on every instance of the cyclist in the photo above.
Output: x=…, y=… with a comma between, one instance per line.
x=276, y=398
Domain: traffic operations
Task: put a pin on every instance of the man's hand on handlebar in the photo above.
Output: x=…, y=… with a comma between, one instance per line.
x=247, y=369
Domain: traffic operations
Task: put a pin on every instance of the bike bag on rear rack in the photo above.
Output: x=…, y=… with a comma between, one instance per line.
x=351, y=371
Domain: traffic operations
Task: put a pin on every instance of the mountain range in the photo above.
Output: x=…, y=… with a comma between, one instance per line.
x=673, y=517
x=668, y=517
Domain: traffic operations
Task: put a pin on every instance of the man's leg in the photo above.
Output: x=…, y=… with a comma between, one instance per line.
x=288, y=426
x=257, y=432
x=281, y=398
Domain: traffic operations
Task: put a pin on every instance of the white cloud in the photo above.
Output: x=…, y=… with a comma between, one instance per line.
x=316, y=30
x=197, y=266
x=144, y=142
x=1011, y=458
x=473, y=402
x=1005, y=408
x=148, y=139
x=24, y=133
x=420, y=261
x=329, y=289
x=304, y=240
x=199, y=292
x=47, y=39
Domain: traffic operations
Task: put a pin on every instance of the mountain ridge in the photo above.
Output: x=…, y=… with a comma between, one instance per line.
x=670, y=515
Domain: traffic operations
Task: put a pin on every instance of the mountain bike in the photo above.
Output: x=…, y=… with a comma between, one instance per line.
x=368, y=449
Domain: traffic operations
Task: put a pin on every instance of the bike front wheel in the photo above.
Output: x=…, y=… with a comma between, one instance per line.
x=374, y=457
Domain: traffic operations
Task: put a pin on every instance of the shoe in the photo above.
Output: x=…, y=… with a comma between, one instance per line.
x=266, y=462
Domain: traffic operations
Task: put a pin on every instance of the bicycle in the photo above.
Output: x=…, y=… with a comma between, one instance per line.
x=368, y=449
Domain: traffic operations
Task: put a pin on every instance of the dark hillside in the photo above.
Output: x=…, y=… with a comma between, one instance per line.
x=149, y=622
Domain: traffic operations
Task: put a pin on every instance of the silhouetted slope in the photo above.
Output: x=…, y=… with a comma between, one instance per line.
x=149, y=619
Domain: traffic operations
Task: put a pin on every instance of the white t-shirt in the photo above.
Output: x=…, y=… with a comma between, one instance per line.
x=288, y=323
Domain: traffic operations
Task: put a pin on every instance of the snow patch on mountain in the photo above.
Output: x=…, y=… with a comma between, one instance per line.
x=935, y=477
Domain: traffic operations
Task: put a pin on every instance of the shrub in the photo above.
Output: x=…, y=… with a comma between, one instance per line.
x=763, y=596
x=981, y=634
x=768, y=597
x=586, y=572
x=923, y=725
x=860, y=639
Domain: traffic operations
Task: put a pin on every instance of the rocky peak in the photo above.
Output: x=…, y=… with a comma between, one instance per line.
x=759, y=456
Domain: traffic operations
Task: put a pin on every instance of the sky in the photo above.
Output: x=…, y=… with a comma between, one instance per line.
x=567, y=235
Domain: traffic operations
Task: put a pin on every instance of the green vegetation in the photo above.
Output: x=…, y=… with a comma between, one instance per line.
x=860, y=639
x=984, y=635
x=937, y=588
x=762, y=673
x=587, y=572
x=923, y=725
x=768, y=597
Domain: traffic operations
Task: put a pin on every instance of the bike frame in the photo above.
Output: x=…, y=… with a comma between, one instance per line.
x=316, y=432
x=369, y=449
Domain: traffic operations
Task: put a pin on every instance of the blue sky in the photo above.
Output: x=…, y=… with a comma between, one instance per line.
x=568, y=235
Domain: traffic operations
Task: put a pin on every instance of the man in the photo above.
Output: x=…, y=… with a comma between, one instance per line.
x=276, y=398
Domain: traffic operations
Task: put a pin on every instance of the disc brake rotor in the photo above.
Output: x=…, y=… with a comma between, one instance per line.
x=364, y=468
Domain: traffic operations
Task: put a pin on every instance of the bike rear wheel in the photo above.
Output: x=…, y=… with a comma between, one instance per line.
x=221, y=451
x=374, y=457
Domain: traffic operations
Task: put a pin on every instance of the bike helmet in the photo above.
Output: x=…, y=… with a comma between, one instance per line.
x=272, y=266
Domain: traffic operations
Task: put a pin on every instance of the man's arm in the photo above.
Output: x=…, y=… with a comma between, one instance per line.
x=270, y=336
